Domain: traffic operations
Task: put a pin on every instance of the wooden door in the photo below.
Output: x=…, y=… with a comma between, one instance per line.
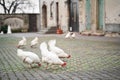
x=44, y=16
x=101, y=14
x=74, y=16
x=88, y=15
x=32, y=22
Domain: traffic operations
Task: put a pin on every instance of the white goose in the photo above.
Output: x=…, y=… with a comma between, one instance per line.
x=34, y=42
x=49, y=57
x=22, y=42
x=28, y=57
x=68, y=35
x=57, y=50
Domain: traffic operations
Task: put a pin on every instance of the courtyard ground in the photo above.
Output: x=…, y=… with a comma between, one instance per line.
x=93, y=58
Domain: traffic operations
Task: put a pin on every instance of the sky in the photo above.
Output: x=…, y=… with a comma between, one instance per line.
x=34, y=8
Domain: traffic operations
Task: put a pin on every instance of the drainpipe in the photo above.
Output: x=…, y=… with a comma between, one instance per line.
x=51, y=14
x=59, y=30
x=69, y=3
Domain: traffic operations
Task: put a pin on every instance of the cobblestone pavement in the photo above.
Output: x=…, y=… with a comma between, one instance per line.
x=93, y=58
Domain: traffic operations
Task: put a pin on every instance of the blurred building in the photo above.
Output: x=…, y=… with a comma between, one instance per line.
x=21, y=22
x=74, y=15
x=81, y=15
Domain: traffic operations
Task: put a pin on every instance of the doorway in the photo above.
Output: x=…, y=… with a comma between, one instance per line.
x=88, y=15
x=44, y=16
x=100, y=14
x=32, y=22
x=74, y=16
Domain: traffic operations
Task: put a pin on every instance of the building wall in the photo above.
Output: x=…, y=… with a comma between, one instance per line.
x=82, y=26
x=105, y=17
x=112, y=11
x=63, y=14
x=110, y=21
x=112, y=15
x=38, y=22
x=50, y=21
x=15, y=21
x=21, y=21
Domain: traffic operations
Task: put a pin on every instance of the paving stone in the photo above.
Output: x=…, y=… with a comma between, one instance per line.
x=20, y=76
x=44, y=75
x=12, y=76
x=85, y=78
x=94, y=75
x=64, y=77
x=101, y=75
x=55, y=76
x=4, y=76
x=29, y=76
x=110, y=74
x=93, y=58
x=40, y=73
x=73, y=77
x=76, y=74
x=96, y=79
x=36, y=75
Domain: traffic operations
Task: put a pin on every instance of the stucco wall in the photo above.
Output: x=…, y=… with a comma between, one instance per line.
x=63, y=13
x=82, y=15
x=112, y=11
x=112, y=15
x=15, y=21
x=50, y=22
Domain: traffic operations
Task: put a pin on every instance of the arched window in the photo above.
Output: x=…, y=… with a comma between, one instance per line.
x=44, y=16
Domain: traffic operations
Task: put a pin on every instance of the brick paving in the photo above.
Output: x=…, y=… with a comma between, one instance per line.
x=93, y=58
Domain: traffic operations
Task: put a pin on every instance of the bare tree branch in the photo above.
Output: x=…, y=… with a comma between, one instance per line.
x=15, y=7
x=2, y=3
x=11, y=6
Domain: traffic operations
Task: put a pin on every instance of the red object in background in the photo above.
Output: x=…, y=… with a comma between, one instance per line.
x=59, y=31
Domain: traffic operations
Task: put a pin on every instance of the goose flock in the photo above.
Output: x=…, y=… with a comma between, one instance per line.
x=50, y=53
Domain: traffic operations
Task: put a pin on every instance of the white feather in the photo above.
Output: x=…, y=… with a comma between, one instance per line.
x=28, y=60
x=73, y=35
x=28, y=57
x=34, y=41
x=49, y=57
x=22, y=42
x=57, y=50
x=68, y=35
